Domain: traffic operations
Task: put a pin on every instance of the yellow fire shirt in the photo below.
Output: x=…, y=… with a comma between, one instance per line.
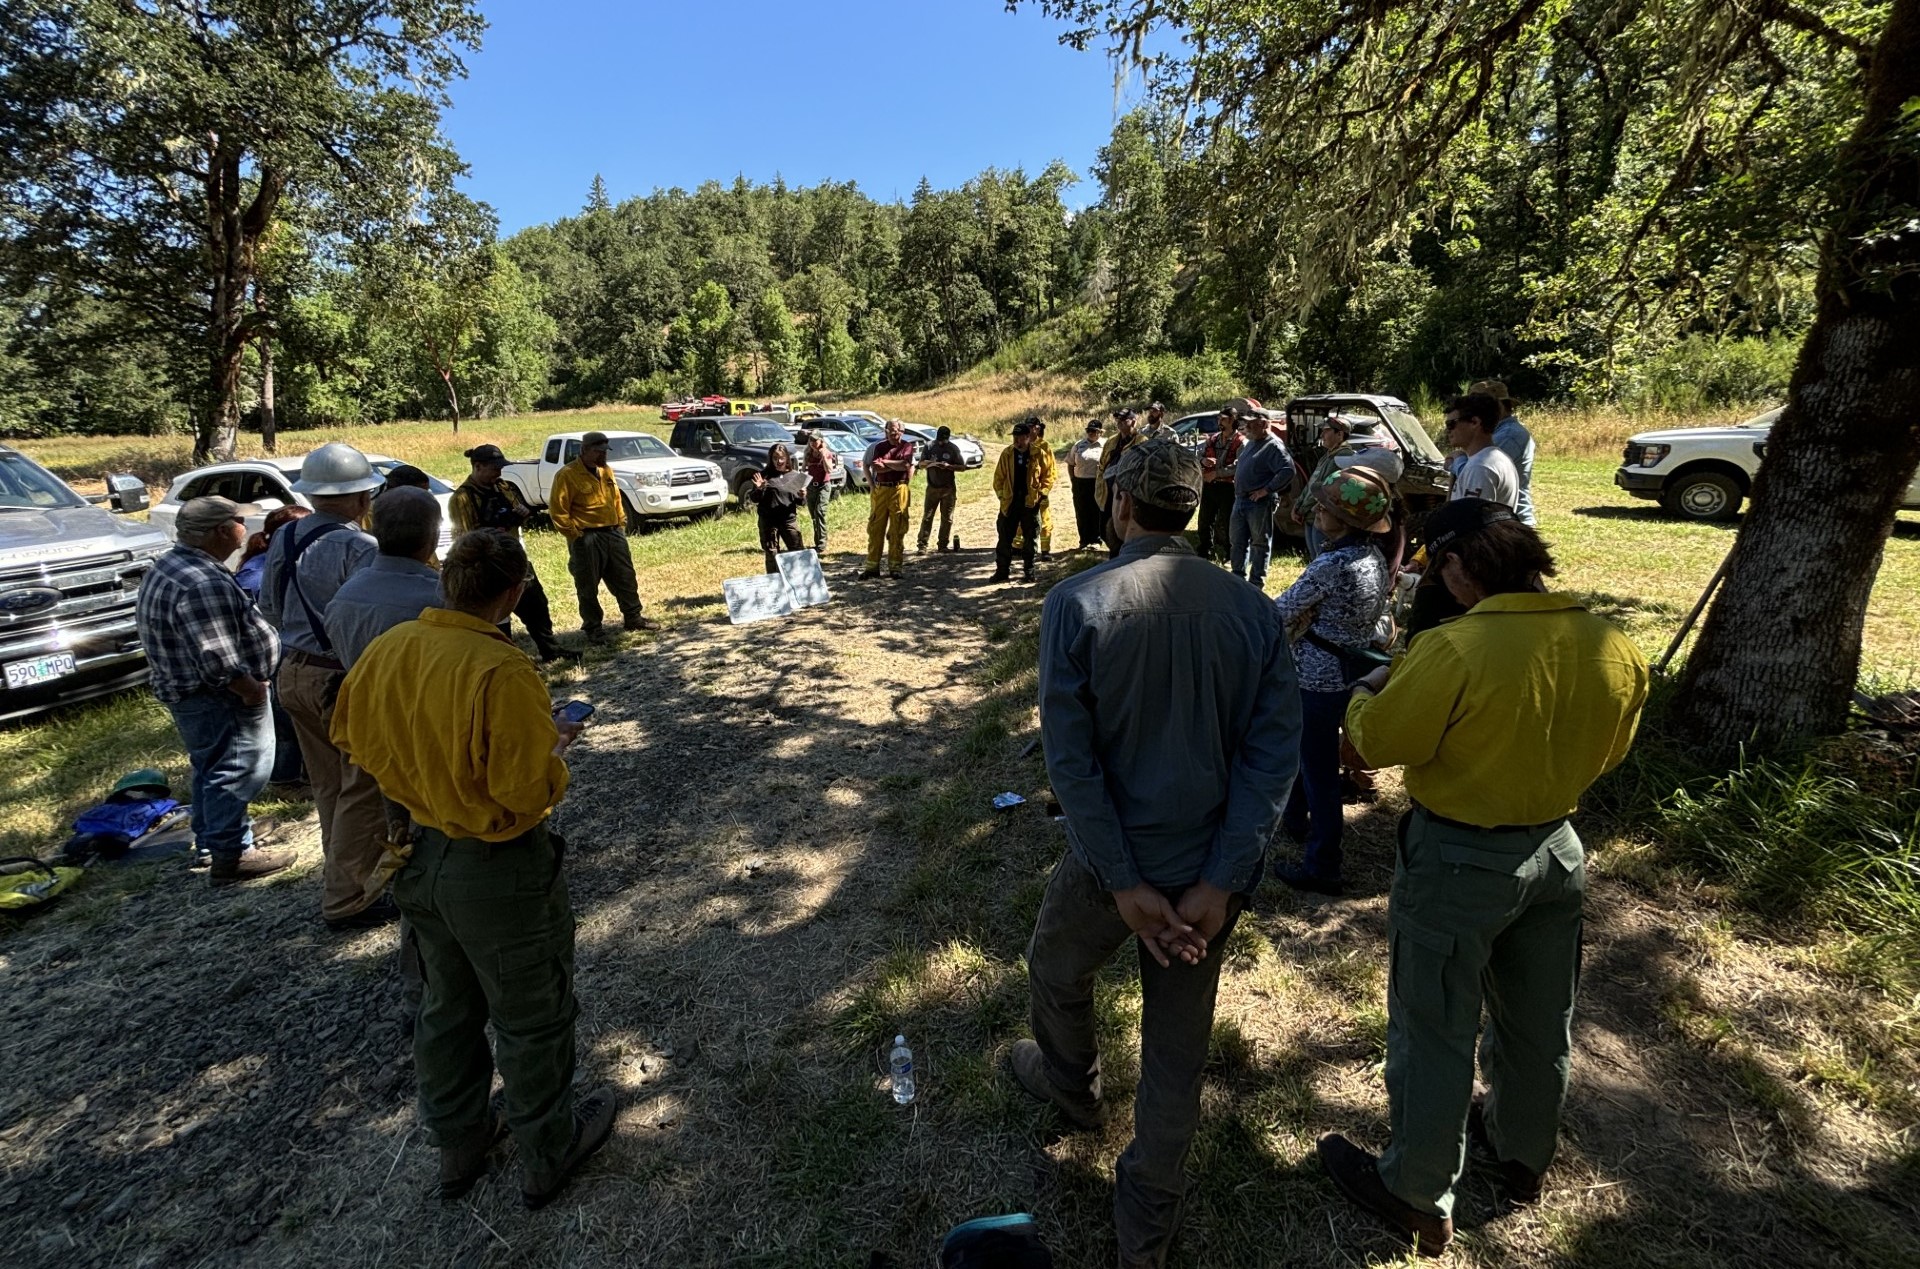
x=582, y=500
x=1508, y=714
x=454, y=723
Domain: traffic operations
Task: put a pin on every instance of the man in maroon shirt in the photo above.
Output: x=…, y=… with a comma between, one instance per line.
x=890, y=470
x=1217, y=458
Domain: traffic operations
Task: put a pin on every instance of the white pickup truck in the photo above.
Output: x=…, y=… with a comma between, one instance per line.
x=654, y=481
x=1704, y=473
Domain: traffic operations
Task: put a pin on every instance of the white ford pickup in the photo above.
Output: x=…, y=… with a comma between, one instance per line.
x=654, y=481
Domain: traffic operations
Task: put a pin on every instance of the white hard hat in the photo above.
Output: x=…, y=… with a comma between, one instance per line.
x=1381, y=459
x=336, y=468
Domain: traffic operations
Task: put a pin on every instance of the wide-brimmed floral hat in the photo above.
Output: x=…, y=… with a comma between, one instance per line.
x=1358, y=496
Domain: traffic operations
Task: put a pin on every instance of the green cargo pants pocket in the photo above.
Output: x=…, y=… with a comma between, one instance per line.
x=1417, y=970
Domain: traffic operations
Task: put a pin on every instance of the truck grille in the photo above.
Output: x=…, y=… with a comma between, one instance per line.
x=689, y=476
x=1632, y=455
x=94, y=610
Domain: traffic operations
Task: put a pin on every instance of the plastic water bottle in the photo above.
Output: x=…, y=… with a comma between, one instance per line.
x=900, y=1062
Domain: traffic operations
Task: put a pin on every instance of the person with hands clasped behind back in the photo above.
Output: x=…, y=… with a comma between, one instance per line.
x=1171, y=721
x=1502, y=719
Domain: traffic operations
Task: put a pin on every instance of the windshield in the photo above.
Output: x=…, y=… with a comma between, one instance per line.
x=622, y=447
x=25, y=485
x=859, y=427
x=755, y=432
x=1412, y=431
x=843, y=442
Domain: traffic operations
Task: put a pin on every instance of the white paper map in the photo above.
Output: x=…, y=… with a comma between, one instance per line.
x=804, y=577
x=757, y=598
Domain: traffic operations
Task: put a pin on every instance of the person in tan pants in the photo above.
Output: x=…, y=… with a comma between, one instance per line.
x=306, y=565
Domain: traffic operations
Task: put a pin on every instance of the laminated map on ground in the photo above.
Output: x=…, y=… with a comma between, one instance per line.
x=757, y=598
x=804, y=577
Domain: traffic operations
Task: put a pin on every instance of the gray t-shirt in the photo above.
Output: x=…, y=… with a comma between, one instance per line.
x=1489, y=474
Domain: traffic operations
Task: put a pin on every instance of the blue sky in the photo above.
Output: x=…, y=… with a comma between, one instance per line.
x=653, y=95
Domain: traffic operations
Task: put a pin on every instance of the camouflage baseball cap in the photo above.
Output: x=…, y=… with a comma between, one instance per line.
x=1160, y=472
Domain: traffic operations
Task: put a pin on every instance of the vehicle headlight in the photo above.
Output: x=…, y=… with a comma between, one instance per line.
x=713, y=473
x=651, y=479
x=1653, y=455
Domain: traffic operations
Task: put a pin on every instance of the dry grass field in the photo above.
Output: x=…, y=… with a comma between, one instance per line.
x=784, y=852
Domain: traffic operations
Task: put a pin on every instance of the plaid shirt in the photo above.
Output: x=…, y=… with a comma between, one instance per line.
x=199, y=628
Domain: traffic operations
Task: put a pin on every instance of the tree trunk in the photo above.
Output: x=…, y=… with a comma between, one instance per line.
x=453, y=398
x=266, y=394
x=1779, y=656
x=234, y=227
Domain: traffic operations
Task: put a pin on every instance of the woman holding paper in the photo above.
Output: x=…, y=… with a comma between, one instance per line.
x=778, y=490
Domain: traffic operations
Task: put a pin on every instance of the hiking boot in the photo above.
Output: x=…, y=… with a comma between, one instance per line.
x=594, y=634
x=1521, y=1183
x=893, y=574
x=551, y=652
x=1087, y=1113
x=1045, y=556
x=869, y=573
x=463, y=1165
x=642, y=625
x=1026, y=574
x=254, y=861
x=592, y=1125
x=1296, y=877
x=374, y=915
x=1357, y=1174
x=999, y=576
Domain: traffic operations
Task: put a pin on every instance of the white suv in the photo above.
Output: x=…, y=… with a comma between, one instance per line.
x=1704, y=473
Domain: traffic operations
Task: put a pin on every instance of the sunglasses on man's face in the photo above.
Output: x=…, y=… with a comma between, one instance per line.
x=1453, y=422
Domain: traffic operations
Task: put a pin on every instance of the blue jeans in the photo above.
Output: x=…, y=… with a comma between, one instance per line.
x=231, y=747
x=1313, y=811
x=1250, y=533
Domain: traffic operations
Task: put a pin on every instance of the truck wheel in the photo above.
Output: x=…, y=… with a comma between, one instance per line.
x=1703, y=495
x=636, y=523
x=740, y=496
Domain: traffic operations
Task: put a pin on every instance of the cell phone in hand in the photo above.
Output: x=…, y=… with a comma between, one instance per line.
x=574, y=712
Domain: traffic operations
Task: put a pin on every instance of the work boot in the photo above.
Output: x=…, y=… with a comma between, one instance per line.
x=1357, y=1174
x=375, y=914
x=1296, y=877
x=254, y=861
x=592, y=1125
x=594, y=634
x=1026, y=574
x=462, y=1165
x=1521, y=1183
x=865, y=574
x=642, y=625
x=1087, y=1113
x=550, y=650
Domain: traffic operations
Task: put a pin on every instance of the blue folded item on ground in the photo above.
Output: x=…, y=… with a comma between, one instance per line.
x=1006, y=801
x=110, y=829
x=995, y=1242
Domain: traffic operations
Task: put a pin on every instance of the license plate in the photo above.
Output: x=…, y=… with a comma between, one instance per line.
x=39, y=670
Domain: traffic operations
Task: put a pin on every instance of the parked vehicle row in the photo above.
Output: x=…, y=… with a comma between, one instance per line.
x=267, y=483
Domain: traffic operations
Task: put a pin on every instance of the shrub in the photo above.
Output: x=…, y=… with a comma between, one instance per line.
x=1207, y=377
x=1705, y=370
x=661, y=385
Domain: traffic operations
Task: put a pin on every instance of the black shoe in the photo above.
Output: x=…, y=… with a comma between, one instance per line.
x=1522, y=1184
x=554, y=652
x=592, y=1125
x=1026, y=575
x=1357, y=1173
x=463, y=1166
x=893, y=574
x=869, y=573
x=1298, y=878
x=1000, y=576
x=1045, y=556
x=375, y=914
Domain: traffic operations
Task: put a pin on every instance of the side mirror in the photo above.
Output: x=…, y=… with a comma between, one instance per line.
x=126, y=493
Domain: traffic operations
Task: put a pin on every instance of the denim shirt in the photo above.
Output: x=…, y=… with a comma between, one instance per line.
x=1170, y=717
x=1263, y=465
x=388, y=591
x=1514, y=440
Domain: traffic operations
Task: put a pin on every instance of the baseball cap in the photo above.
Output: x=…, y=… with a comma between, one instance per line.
x=486, y=454
x=1156, y=406
x=1160, y=472
x=198, y=515
x=1023, y=429
x=407, y=476
x=1336, y=420
x=1462, y=518
x=1359, y=497
x=1495, y=388
x=1123, y=413
x=593, y=438
x=1095, y=425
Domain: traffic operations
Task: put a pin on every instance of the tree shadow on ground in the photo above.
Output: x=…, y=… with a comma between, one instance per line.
x=1652, y=513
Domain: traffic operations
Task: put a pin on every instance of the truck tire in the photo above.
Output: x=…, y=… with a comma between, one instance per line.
x=1703, y=495
x=740, y=488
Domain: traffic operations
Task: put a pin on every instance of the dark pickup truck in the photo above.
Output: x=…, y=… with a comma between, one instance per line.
x=739, y=444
